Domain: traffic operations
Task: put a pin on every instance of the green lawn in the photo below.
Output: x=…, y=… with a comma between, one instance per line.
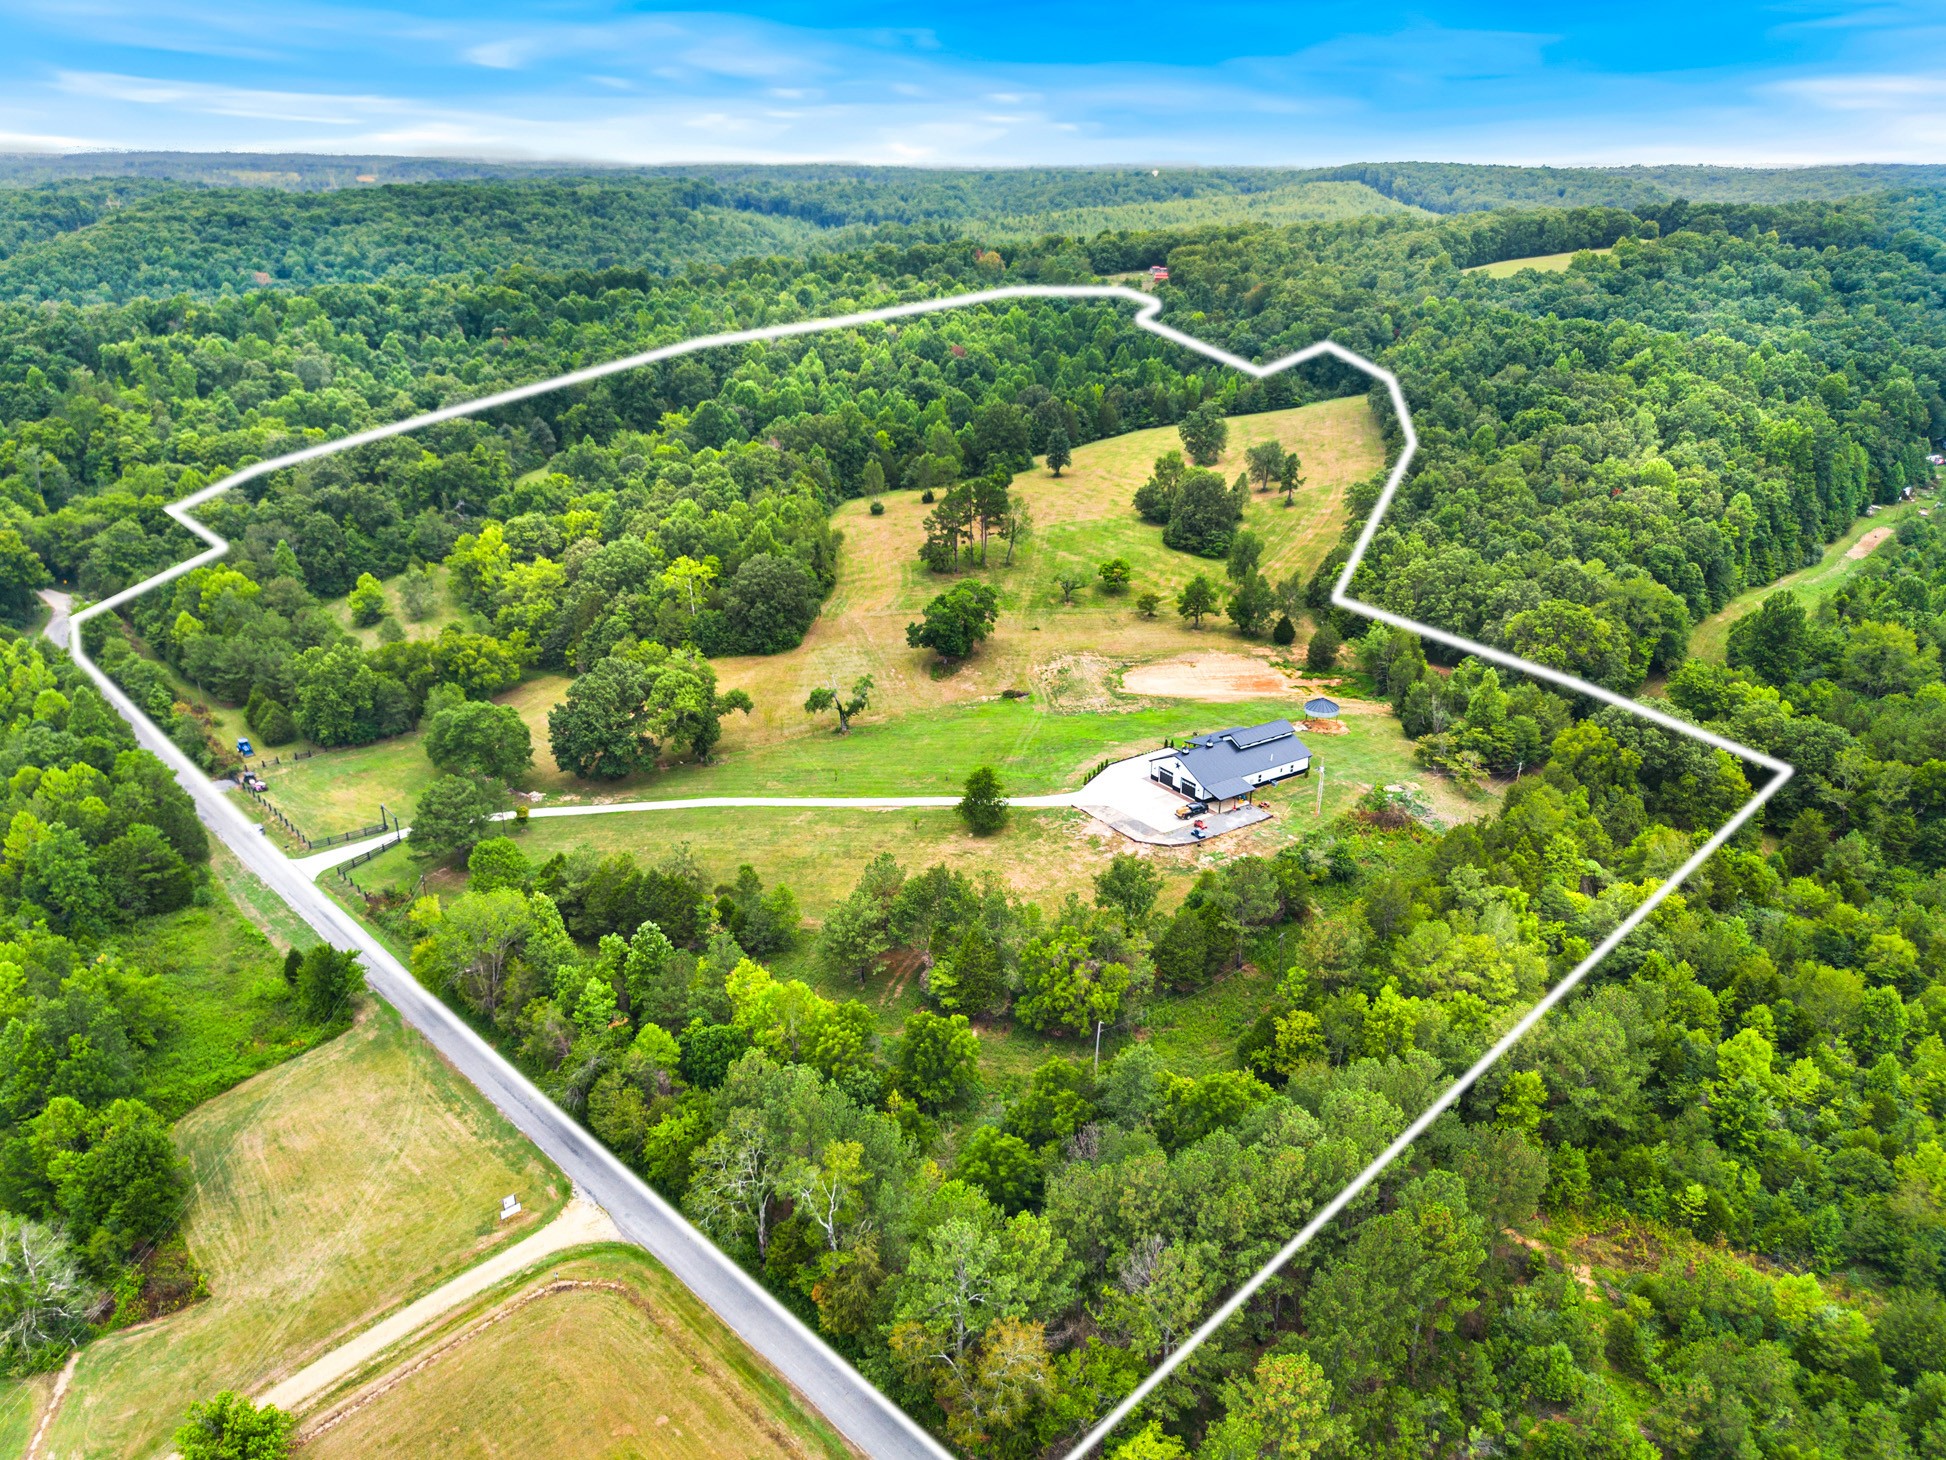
x=1711, y=639
x=20, y=1402
x=1037, y=749
x=231, y=1013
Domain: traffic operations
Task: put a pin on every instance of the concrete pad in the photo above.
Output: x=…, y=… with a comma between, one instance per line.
x=1124, y=799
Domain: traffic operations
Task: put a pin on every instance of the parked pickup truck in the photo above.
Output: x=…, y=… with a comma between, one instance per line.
x=1194, y=808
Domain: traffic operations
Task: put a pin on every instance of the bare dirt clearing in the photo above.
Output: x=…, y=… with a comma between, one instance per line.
x=1866, y=545
x=1221, y=676
x=1217, y=676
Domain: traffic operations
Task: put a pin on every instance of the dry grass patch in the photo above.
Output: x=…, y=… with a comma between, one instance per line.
x=327, y=1192
x=604, y=1355
x=1545, y=263
x=1081, y=520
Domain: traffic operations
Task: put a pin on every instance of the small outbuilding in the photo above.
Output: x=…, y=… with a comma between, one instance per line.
x=1226, y=767
x=1321, y=709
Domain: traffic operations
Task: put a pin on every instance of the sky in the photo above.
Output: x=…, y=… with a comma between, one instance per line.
x=985, y=82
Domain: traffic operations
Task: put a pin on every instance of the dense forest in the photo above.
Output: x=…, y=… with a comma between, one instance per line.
x=1611, y=453
x=114, y=227
x=1747, y=1098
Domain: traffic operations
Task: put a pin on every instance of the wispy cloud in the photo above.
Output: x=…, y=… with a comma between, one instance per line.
x=1004, y=82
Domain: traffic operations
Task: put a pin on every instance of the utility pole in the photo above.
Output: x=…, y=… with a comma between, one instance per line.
x=1320, y=810
x=1097, y=1048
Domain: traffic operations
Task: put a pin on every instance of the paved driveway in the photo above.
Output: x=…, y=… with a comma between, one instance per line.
x=1124, y=797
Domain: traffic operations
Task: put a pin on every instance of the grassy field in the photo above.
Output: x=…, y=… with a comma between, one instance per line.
x=819, y=853
x=1080, y=521
x=20, y=1411
x=1062, y=654
x=232, y=1013
x=448, y=612
x=326, y=1192
x=1812, y=585
x=602, y=1355
x=271, y=915
x=1546, y=263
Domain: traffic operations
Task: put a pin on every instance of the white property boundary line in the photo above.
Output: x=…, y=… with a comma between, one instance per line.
x=1149, y=308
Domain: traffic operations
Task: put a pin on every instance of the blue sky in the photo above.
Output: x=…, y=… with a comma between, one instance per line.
x=986, y=81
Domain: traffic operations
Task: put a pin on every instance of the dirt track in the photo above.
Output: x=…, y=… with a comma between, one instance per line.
x=1217, y=675
x=1865, y=545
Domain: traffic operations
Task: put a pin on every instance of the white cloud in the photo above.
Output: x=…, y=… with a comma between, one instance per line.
x=651, y=88
x=1867, y=93
x=227, y=101
x=507, y=55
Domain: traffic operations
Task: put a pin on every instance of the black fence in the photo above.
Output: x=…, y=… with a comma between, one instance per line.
x=343, y=869
x=386, y=822
x=339, y=838
x=276, y=815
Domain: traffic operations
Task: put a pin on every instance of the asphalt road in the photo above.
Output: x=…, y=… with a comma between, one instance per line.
x=867, y=1418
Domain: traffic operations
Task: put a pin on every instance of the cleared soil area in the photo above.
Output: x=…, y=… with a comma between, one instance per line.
x=1221, y=676
x=1214, y=677
x=604, y=1356
x=1865, y=545
x=326, y=1192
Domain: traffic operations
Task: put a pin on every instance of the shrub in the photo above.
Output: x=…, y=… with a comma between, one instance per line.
x=230, y=1427
x=329, y=982
x=367, y=601
x=1321, y=654
x=268, y=720
x=984, y=806
x=878, y=507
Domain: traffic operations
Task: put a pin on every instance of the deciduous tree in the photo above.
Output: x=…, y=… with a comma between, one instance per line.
x=1197, y=599
x=827, y=697
x=984, y=806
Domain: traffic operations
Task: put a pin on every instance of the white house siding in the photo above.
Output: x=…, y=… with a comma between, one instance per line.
x=1296, y=767
x=1187, y=784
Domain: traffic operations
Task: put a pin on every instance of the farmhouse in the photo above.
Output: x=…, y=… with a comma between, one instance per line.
x=1224, y=768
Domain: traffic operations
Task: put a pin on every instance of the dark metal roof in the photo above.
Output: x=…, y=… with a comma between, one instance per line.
x=1223, y=762
x=1320, y=708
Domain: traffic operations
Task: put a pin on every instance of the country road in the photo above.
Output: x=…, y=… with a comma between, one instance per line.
x=867, y=1418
